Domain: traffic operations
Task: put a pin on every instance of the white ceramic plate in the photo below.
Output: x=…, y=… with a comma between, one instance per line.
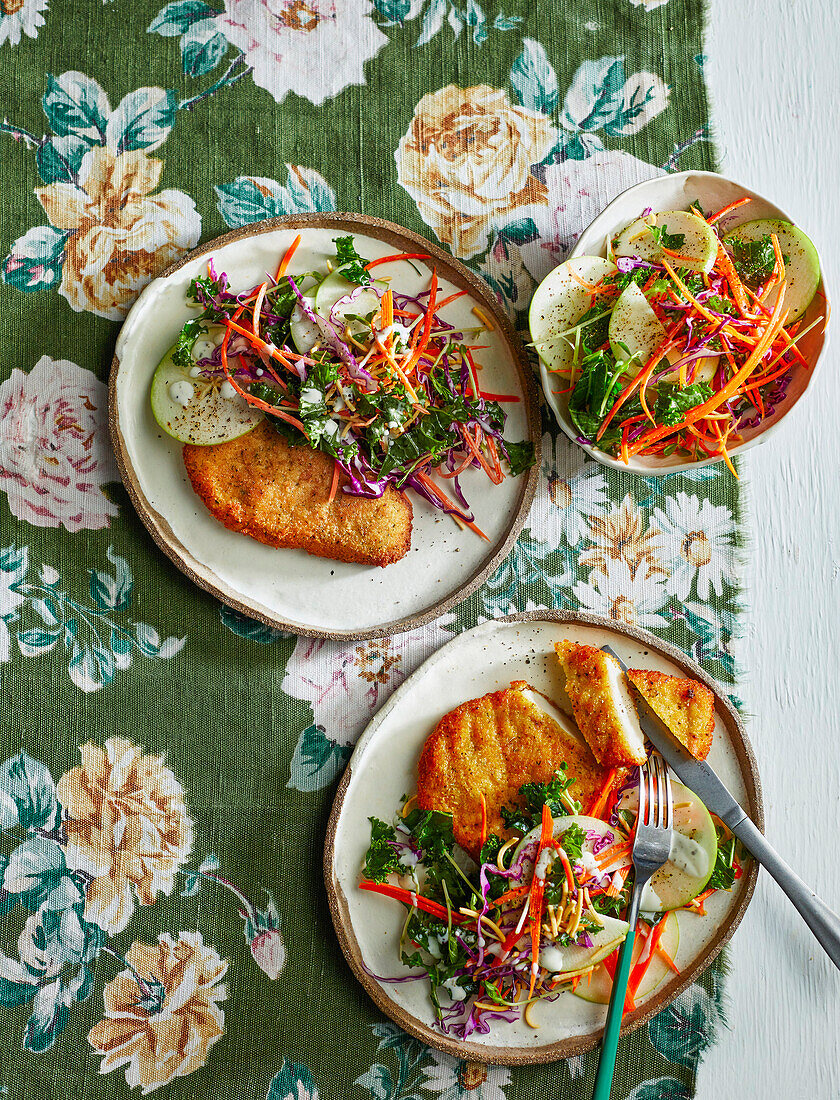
x=675, y=192
x=289, y=588
x=383, y=768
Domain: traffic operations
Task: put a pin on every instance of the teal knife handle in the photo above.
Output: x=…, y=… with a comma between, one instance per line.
x=609, y=1044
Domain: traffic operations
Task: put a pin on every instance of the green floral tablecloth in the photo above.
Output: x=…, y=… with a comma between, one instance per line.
x=169, y=764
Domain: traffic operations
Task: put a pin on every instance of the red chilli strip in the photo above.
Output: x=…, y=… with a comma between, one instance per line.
x=397, y=256
x=414, y=900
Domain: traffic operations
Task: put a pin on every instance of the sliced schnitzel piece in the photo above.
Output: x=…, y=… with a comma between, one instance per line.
x=685, y=706
x=279, y=494
x=493, y=745
x=603, y=705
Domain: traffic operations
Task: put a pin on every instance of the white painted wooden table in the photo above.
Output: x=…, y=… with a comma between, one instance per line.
x=775, y=86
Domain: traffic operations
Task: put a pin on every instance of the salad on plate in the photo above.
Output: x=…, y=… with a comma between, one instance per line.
x=683, y=336
x=341, y=361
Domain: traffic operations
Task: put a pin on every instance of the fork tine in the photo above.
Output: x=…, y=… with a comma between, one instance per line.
x=669, y=796
x=642, y=807
x=652, y=808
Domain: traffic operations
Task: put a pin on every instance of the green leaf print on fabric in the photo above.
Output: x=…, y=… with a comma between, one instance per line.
x=76, y=104
x=252, y=198
x=292, y=1082
x=36, y=259
x=683, y=1030
x=60, y=158
x=27, y=795
x=252, y=629
x=142, y=120
x=317, y=760
x=534, y=80
x=662, y=1088
x=99, y=644
x=440, y=13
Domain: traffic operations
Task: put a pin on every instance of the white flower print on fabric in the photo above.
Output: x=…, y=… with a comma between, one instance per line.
x=315, y=48
x=55, y=454
x=453, y=1079
x=577, y=493
x=578, y=190
x=21, y=17
x=648, y=5
x=336, y=680
x=634, y=598
x=623, y=535
x=699, y=536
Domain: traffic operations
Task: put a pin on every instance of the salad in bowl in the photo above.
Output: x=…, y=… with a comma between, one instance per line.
x=692, y=332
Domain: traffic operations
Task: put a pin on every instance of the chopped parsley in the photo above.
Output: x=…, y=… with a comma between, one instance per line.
x=573, y=840
x=724, y=873
x=672, y=241
x=382, y=858
x=672, y=403
x=182, y=352
x=754, y=260
x=351, y=263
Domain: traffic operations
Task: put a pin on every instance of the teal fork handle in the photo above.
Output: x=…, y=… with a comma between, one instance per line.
x=609, y=1044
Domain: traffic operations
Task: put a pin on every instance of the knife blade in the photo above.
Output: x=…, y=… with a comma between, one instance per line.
x=699, y=777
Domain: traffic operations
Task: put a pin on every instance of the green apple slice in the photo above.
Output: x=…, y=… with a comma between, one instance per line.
x=560, y=301
x=362, y=301
x=193, y=409
x=305, y=333
x=802, y=263
x=596, y=987
x=635, y=331
x=696, y=252
x=693, y=853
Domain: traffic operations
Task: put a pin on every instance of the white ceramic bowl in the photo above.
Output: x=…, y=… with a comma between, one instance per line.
x=675, y=192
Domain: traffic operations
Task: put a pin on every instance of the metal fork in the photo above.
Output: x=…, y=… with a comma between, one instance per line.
x=651, y=848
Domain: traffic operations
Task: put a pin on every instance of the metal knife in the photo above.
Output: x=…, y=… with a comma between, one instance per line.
x=700, y=778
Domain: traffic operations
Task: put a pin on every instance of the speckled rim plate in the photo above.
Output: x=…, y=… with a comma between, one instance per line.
x=383, y=767
x=288, y=589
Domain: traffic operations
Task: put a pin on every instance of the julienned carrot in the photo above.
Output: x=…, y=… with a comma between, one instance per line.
x=284, y=263
x=334, y=485
x=646, y=371
x=733, y=386
x=397, y=256
x=618, y=880
x=415, y=900
x=597, y=807
x=387, y=309
x=724, y=262
x=727, y=210
x=512, y=895
x=495, y=474
x=258, y=303
x=451, y=298
x=537, y=895
x=275, y=410
x=645, y=959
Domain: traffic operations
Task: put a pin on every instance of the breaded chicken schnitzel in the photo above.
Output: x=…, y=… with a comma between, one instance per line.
x=279, y=494
x=493, y=745
x=685, y=706
x=602, y=704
